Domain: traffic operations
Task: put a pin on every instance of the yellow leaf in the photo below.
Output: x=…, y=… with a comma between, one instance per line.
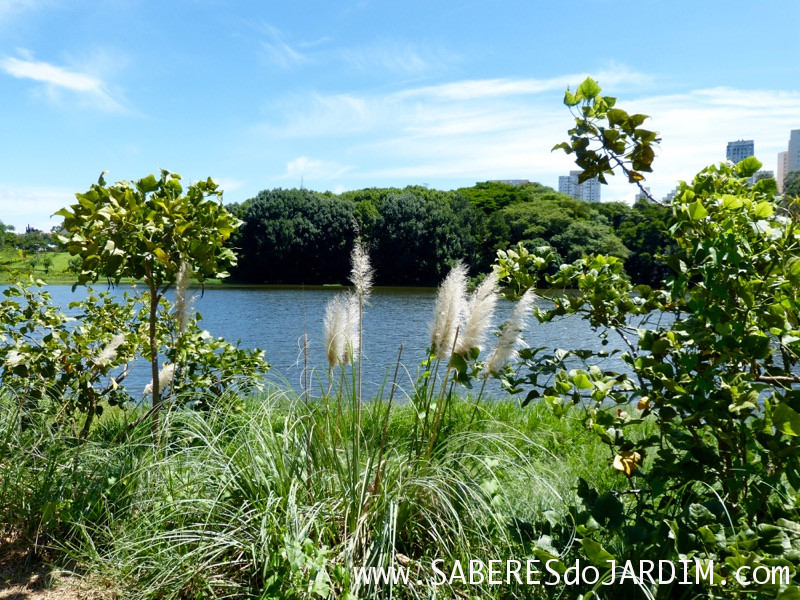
x=627, y=462
x=114, y=383
x=644, y=403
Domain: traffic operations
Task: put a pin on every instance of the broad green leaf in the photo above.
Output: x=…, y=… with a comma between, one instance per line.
x=763, y=210
x=162, y=256
x=697, y=211
x=582, y=382
x=589, y=88
x=748, y=167
x=790, y=593
x=597, y=555
x=786, y=420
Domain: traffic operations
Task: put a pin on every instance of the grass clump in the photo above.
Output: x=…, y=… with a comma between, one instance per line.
x=263, y=498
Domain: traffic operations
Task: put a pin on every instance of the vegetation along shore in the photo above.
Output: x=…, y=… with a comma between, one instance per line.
x=217, y=484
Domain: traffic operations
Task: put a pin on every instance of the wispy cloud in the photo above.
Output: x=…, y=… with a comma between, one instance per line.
x=34, y=205
x=10, y=8
x=313, y=169
x=461, y=132
x=279, y=51
x=89, y=89
x=394, y=56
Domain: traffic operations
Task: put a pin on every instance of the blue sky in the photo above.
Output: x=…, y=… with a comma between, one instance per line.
x=351, y=94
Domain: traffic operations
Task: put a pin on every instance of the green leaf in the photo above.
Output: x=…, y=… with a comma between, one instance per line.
x=616, y=116
x=790, y=593
x=786, y=420
x=147, y=184
x=161, y=256
x=748, y=167
x=563, y=146
x=596, y=554
x=581, y=381
x=756, y=346
x=589, y=88
x=763, y=210
x=697, y=211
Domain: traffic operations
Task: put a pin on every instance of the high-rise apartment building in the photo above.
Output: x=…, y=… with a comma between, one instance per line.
x=589, y=190
x=794, y=150
x=783, y=169
x=739, y=150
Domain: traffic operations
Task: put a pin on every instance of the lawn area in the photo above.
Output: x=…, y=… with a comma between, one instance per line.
x=49, y=266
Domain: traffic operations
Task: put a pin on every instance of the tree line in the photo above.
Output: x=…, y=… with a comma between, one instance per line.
x=415, y=234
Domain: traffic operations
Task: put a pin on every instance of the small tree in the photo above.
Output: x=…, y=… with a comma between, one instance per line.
x=145, y=230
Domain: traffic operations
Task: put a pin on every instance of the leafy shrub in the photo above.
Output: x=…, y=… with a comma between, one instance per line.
x=712, y=365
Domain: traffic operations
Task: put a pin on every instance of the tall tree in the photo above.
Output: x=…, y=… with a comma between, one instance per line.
x=295, y=236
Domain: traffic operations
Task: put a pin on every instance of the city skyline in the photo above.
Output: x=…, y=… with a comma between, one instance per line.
x=357, y=94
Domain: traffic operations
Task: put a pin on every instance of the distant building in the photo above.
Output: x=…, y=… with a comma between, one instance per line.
x=794, y=151
x=783, y=168
x=588, y=191
x=739, y=150
x=510, y=181
x=642, y=195
x=668, y=198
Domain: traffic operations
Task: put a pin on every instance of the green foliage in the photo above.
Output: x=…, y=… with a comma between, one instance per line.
x=791, y=184
x=149, y=230
x=295, y=236
x=605, y=137
x=46, y=354
x=75, y=366
x=300, y=236
x=711, y=363
x=415, y=240
x=146, y=229
x=273, y=476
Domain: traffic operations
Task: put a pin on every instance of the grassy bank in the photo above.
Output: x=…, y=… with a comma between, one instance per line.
x=267, y=497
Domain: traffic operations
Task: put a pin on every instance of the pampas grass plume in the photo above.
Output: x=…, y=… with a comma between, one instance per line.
x=479, y=313
x=164, y=378
x=182, y=301
x=338, y=329
x=510, y=338
x=361, y=273
x=109, y=351
x=448, y=310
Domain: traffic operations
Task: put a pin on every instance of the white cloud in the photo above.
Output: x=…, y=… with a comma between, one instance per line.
x=395, y=56
x=461, y=132
x=278, y=50
x=34, y=206
x=313, y=169
x=228, y=185
x=89, y=89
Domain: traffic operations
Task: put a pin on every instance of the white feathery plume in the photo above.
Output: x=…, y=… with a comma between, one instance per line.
x=361, y=273
x=353, y=349
x=183, y=303
x=337, y=329
x=479, y=313
x=109, y=351
x=164, y=378
x=448, y=310
x=14, y=358
x=510, y=338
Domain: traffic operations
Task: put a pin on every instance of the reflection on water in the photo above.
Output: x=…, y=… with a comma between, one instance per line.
x=276, y=319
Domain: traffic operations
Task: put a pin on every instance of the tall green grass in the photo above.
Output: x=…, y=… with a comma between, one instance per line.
x=270, y=497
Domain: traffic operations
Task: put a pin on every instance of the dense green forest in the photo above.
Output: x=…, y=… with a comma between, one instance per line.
x=416, y=234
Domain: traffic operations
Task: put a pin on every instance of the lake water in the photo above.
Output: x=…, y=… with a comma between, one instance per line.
x=276, y=319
